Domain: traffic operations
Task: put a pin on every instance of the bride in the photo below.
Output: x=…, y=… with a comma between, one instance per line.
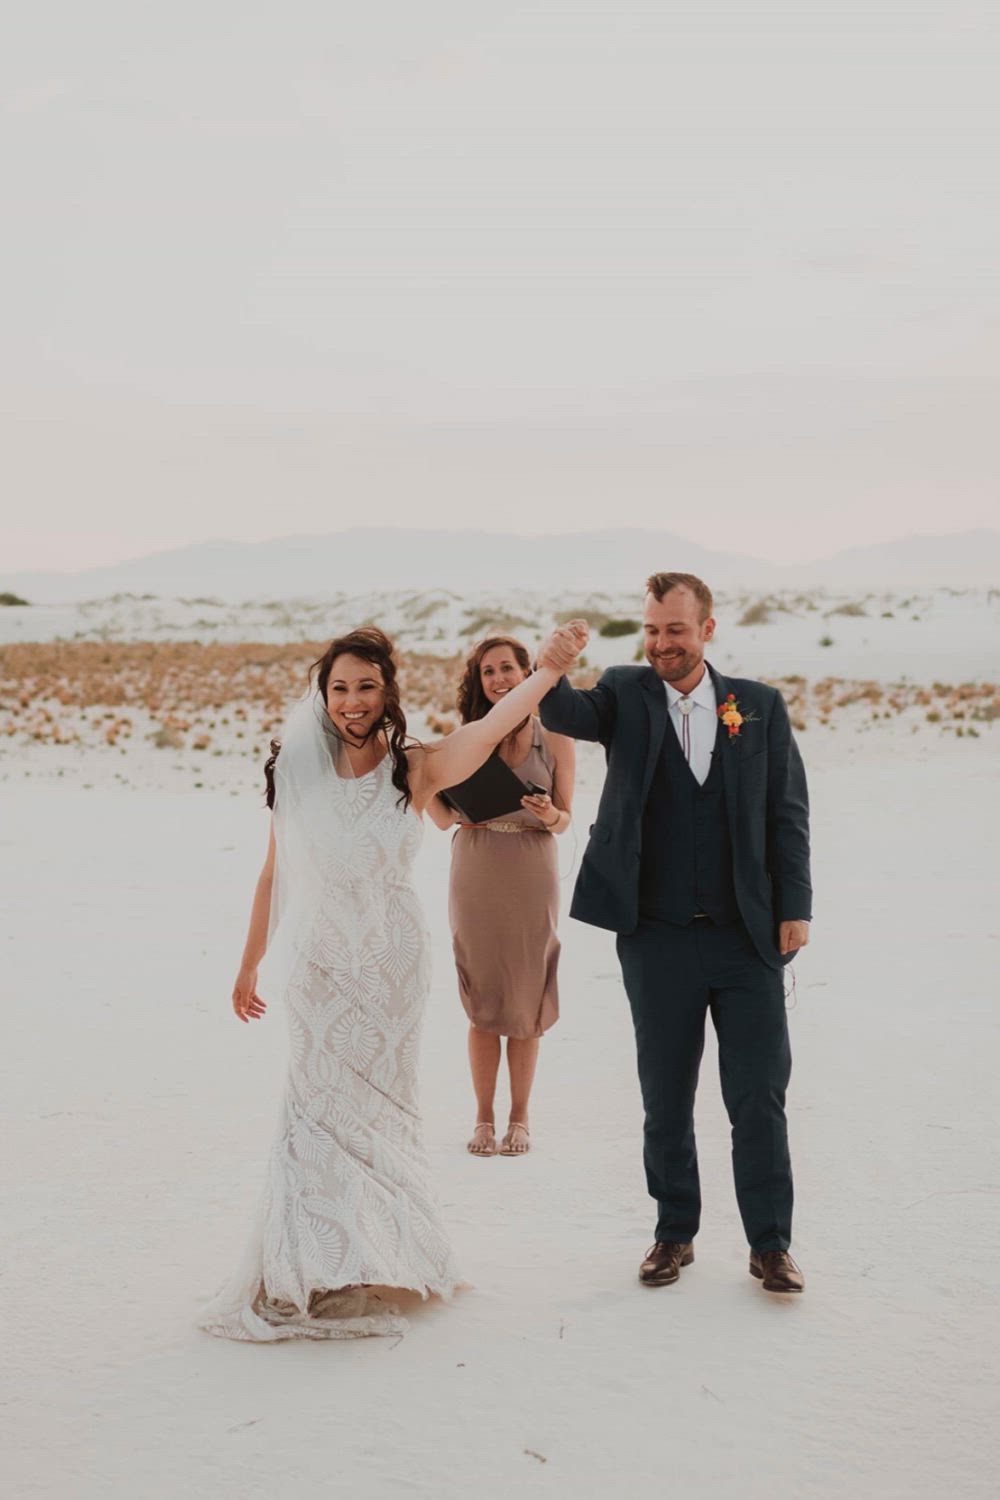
x=347, y=1207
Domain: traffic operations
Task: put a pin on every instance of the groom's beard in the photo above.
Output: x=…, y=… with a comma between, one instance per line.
x=672, y=666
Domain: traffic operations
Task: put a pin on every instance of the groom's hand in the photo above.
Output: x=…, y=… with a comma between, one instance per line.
x=561, y=649
x=556, y=654
x=792, y=936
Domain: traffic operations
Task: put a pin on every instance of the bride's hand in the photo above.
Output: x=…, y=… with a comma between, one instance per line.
x=246, y=1002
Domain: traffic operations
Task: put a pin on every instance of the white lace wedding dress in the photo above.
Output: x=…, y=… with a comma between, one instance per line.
x=347, y=1205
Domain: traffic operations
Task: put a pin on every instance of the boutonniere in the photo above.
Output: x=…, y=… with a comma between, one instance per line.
x=733, y=716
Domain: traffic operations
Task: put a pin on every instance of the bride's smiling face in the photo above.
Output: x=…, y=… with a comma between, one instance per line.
x=355, y=697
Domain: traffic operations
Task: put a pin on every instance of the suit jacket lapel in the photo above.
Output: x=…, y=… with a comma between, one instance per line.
x=728, y=752
x=656, y=704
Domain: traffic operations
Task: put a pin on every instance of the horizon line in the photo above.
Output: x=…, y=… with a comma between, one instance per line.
x=621, y=531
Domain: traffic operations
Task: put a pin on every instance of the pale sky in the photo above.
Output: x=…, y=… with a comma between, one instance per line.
x=731, y=270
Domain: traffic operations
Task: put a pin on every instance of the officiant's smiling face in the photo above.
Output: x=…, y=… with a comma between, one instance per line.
x=675, y=636
x=499, y=672
x=355, y=696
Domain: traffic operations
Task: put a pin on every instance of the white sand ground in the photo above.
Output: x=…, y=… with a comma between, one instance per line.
x=139, y=1111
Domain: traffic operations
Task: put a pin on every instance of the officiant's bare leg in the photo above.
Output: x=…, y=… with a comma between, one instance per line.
x=484, y=1060
x=522, y=1059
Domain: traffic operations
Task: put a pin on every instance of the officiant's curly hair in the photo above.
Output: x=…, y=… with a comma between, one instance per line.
x=470, y=700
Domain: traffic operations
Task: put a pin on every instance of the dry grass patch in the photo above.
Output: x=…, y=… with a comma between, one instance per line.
x=186, y=693
x=224, y=699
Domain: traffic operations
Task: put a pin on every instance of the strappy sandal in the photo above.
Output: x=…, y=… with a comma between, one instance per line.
x=483, y=1131
x=507, y=1144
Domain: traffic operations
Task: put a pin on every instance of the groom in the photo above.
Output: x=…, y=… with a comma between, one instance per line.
x=699, y=861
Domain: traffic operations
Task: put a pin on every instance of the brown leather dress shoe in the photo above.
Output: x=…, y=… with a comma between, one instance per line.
x=777, y=1270
x=663, y=1262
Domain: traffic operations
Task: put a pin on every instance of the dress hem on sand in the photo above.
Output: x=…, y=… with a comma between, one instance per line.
x=352, y=1312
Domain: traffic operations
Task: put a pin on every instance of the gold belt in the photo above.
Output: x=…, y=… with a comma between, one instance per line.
x=506, y=827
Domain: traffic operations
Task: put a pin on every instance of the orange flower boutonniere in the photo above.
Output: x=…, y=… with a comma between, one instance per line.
x=733, y=716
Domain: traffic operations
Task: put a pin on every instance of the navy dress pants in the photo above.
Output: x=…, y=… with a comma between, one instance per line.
x=673, y=977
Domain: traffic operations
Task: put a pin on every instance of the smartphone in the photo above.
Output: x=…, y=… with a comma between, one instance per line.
x=534, y=790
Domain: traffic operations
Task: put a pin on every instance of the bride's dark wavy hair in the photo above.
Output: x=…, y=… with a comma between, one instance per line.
x=372, y=645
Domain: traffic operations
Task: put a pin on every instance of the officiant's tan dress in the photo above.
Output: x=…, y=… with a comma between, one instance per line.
x=503, y=903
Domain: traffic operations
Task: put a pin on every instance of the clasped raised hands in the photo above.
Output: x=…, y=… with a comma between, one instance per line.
x=561, y=648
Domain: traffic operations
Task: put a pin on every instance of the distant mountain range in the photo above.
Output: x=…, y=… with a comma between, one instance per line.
x=368, y=558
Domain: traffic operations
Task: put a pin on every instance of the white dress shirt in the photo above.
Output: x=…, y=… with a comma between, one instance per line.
x=703, y=722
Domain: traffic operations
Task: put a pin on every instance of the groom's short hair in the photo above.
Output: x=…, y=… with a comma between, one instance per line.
x=661, y=583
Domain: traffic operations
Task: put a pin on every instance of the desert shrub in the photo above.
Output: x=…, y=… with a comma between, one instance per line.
x=852, y=610
x=859, y=692
x=167, y=738
x=498, y=624
x=8, y=598
x=756, y=614
x=427, y=609
x=826, y=640
x=613, y=628
x=441, y=724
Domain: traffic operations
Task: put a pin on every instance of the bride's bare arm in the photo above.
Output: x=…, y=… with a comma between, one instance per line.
x=446, y=762
x=246, y=1002
x=441, y=814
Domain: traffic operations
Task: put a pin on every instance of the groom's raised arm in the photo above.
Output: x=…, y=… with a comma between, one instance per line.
x=581, y=713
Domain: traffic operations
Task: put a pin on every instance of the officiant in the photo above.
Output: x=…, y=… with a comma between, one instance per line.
x=503, y=898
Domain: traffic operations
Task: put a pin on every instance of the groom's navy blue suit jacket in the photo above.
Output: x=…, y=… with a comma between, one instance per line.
x=767, y=802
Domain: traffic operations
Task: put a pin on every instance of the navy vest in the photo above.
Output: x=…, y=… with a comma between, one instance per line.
x=686, y=864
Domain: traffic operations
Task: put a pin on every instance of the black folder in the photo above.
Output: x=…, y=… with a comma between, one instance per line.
x=488, y=793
